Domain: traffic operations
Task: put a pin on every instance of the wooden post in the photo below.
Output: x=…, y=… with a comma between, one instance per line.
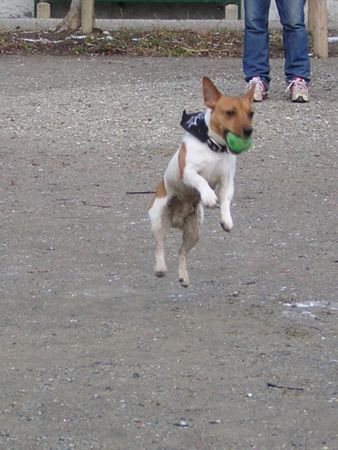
x=231, y=12
x=311, y=15
x=87, y=16
x=317, y=23
x=43, y=10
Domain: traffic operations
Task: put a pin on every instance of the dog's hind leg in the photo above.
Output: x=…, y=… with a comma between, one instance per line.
x=191, y=232
x=160, y=225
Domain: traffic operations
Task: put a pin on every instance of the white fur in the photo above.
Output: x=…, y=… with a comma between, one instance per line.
x=205, y=171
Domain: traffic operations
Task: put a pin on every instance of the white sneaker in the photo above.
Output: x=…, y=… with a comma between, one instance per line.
x=261, y=91
x=299, y=90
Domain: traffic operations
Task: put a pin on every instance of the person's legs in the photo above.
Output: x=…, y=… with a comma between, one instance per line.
x=256, y=40
x=297, y=61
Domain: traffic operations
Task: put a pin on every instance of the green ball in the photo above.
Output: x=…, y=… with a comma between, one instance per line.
x=237, y=144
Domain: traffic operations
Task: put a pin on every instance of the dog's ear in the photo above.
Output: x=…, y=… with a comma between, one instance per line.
x=250, y=94
x=210, y=93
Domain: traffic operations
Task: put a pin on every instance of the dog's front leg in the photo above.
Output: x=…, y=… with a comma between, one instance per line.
x=226, y=193
x=193, y=179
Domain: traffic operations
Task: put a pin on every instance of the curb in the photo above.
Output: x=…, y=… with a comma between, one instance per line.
x=7, y=25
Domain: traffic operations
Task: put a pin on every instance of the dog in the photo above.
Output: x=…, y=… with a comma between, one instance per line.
x=202, y=164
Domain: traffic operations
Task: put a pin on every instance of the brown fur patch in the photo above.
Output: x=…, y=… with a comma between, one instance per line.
x=181, y=158
x=228, y=113
x=233, y=114
x=160, y=192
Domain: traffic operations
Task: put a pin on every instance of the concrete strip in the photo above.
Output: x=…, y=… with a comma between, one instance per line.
x=138, y=24
x=107, y=24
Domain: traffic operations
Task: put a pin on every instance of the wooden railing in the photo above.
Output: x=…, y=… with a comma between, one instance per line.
x=317, y=17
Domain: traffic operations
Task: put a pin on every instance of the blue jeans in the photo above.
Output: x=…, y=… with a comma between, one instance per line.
x=256, y=39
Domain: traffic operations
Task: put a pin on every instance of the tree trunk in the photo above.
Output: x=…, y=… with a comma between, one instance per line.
x=72, y=21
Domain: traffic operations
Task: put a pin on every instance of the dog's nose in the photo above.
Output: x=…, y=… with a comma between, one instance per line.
x=247, y=131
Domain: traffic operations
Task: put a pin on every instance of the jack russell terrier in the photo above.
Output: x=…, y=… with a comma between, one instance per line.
x=204, y=161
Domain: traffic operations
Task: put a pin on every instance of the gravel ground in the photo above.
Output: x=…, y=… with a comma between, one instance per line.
x=96, y=353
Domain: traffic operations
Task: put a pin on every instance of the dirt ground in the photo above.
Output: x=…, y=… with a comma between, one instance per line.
x=135, y=42
x=96, y=353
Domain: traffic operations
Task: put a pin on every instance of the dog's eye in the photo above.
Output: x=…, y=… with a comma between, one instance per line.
x=251, y=114
x=230, y=113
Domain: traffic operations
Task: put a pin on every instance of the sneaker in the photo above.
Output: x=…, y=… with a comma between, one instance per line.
x=299, y=90
x=261, y=91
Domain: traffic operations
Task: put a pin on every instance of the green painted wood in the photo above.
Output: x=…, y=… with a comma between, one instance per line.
x=178, y=2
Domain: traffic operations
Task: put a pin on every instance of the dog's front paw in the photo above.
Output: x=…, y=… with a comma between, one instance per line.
x=227, y=225
x=209, y=198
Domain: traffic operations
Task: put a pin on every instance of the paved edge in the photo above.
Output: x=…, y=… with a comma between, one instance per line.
x=115, y=24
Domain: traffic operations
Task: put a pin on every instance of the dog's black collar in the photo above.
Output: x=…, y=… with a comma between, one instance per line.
x=216, y=147
x=194, y=124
